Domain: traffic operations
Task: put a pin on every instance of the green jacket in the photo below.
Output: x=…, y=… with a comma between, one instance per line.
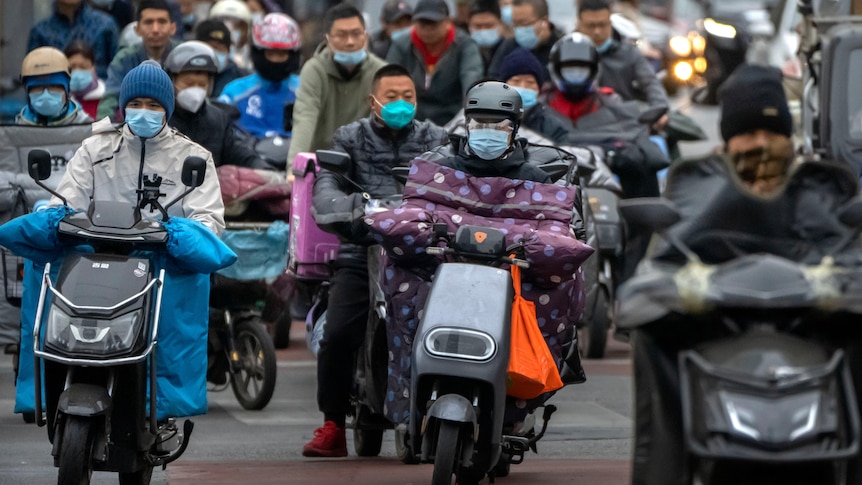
x=326, y=100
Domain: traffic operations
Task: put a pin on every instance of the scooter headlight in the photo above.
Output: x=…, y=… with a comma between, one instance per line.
x=787, y=419
x=459, y=343
x=81, y=335
x=680, y=45
x=719, y=29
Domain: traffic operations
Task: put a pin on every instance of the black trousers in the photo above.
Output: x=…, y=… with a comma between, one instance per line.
x=346, y=318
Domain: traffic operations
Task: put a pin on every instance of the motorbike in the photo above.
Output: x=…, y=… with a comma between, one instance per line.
x=764, y=391
x=367, y=396
x=458, y=386
x=96, y=348
x=240, y=350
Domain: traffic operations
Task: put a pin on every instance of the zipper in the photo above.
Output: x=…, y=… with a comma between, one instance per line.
x=141, y=170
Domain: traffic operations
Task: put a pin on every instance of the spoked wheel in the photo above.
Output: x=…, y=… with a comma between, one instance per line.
x=446, y=454
x=76, y=466
x=593, y=336
x=254, y=384
x=140, y=477
x=367, y=442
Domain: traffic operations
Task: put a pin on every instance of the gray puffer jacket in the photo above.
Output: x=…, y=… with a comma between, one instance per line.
x=338, y=206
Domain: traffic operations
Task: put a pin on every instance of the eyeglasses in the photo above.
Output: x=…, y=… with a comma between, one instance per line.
x=505, y=125
x=525, y=24
x=587, y=26
x=343, y=35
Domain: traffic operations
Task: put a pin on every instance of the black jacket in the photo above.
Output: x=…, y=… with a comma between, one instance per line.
x=541, y=51
x=213, y=128
x=338, y=206
x=513, y=166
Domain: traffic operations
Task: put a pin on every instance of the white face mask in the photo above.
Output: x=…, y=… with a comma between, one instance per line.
x=191, y=99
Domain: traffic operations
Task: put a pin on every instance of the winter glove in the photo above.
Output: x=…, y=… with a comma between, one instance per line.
x=195, y=248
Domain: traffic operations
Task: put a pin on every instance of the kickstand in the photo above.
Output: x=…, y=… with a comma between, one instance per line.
x=546, y=416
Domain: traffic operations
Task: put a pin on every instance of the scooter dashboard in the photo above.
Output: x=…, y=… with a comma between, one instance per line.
x=79, y=227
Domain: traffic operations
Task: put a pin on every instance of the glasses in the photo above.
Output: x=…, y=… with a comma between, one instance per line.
x=505, y=125
x=595, y=25
x=343, y=35
x=529, y=23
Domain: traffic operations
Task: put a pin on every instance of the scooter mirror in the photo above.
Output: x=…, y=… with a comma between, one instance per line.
x=651, y=115
x=655, y=213
x=334, y=161
x=194, y=171
x=39, y=164
x=851, y=213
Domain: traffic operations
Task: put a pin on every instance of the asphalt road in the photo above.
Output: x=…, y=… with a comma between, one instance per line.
x=588, y=440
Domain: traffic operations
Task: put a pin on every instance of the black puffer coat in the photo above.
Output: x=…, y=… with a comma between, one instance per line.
x=213, y=128
x=374, y=148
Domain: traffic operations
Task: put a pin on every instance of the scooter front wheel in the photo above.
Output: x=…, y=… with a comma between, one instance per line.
x=367, y=442
x=254, y=384
x=446, y=454
x=76, y=466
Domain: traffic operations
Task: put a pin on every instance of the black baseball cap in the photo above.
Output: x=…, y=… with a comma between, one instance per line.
x=395, y=9
x=433, y=10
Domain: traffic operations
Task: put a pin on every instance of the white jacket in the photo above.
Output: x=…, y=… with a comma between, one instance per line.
x=111, y=164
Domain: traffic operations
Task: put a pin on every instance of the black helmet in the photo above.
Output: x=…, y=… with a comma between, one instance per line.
x=574, y=64
x=494, y=101
x=191, y=55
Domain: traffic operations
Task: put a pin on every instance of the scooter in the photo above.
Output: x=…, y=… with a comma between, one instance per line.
x=370, y=362
x=98, y=343
x=764, y=386
x=458, y=387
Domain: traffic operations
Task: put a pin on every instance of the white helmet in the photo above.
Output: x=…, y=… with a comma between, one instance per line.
x=234, y=9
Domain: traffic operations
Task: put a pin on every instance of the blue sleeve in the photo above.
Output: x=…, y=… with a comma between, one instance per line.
x=194, y=248
x=34, y=236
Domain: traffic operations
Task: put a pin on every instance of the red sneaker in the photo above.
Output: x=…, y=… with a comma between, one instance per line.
x=329, y=442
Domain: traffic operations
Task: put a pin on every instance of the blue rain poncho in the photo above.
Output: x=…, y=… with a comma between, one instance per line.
x=192, y=253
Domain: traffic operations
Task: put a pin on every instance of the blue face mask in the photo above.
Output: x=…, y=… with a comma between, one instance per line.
x=103, y=3
x=397, y=114
x=349, y=59
x=486, y=37
x=397, y=34
x=526, y=37
x=506, y=14
x=605, y=45
x=528, y=97
x=46, y=103
x=144, y=122
x=81, y=79
x=488, y=143
x=221, y=61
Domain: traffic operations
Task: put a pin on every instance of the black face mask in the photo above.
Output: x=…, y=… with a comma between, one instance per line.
x=274, y=71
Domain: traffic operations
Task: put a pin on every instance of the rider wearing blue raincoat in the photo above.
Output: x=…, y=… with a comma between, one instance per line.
x=112, y=165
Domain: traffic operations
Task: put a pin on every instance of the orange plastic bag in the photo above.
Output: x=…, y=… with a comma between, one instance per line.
x=532, y=370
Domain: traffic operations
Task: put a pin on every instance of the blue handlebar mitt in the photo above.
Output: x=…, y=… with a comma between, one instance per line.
x=195, y=248
x=34, y=236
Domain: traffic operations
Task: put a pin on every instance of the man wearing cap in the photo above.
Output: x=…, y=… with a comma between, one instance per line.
x=46, y=75
x=724, y=193
x=215, y=33
x=396, y=20
x=443, y=61
x=114, y=162
x=156, y=29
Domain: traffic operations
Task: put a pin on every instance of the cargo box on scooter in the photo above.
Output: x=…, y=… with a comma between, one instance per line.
x=311, y=248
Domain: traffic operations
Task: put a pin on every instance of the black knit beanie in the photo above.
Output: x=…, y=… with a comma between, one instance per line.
x=753, y=98
x=521, y=61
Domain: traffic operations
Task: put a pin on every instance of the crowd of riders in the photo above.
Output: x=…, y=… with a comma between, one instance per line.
x=225, y=74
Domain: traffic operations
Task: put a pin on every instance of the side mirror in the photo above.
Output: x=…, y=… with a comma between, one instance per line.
x=655, y=213
x=651, y=115
x=400, y=174
x=194, y=171
x=850, y=214
x=334, y=161
x=39, y=164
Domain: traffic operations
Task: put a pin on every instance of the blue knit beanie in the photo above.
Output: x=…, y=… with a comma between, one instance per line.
x=521, y=61
x=148, y=80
